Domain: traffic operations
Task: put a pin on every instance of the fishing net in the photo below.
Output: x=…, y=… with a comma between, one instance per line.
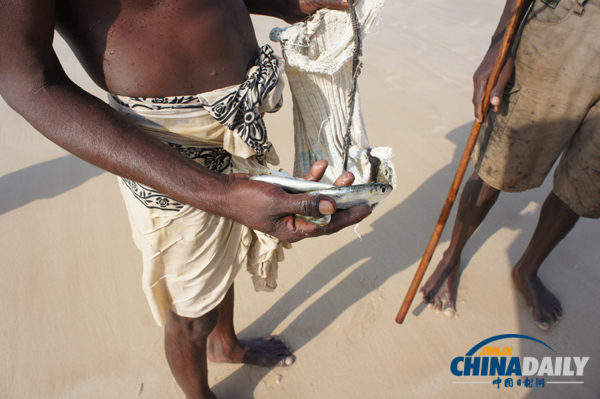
x=322, y=67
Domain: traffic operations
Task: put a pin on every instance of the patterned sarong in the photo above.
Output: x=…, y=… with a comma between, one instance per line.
x=191, y=257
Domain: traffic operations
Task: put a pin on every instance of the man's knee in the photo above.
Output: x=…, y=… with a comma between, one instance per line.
x=482, y=189
x=193, y=329
x=488, y=192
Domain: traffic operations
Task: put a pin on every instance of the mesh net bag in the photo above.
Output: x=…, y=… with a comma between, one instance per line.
x=322, y=68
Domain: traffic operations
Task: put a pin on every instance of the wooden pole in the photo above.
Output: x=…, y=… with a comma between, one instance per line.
x=462, y=166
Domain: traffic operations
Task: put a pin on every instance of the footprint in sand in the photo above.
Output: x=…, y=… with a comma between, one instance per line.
x=368, y=310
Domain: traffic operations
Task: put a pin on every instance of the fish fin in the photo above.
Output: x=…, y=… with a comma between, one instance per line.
x=286, y=174
x=256, y=171
x=321, y=221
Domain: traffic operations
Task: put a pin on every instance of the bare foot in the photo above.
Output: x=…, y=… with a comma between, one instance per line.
x=543, y=305
x=440, y=289
x=263, y=352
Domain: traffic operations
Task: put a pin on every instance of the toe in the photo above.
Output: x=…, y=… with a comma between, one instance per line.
x=542, y=325
x=439, y=305
x=284, y=352
x=540, y=320
x=449, y=310
x=430, y=301
x=425, y=295
x=286, y=362
x=558, y=311
x=553, y=317
x=558, y=314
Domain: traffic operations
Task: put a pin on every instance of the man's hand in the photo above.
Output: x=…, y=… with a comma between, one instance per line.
x=308, y=7
x=292, y=11
x=481, y=77
x=272, y=210
x=483, y=73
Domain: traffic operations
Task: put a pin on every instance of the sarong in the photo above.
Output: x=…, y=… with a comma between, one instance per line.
x=190, y=257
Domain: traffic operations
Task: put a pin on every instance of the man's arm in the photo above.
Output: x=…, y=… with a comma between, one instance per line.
x=484, y=71
x=291, y=11
x=33, y=83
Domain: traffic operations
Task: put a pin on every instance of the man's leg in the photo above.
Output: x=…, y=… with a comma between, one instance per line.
x=190, y=341
x=224, y=346
x=475, y=202
x=185, y=347
x=556, y=220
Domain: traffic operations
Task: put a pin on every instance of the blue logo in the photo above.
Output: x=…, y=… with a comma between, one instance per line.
x=485, y=360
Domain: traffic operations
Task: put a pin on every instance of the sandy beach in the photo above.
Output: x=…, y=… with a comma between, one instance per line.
x=76, y=324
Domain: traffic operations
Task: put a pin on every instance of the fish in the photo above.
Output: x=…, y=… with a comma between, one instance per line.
x=269, y=172
x=345, y=197
x=360, y=194
x=293, y=185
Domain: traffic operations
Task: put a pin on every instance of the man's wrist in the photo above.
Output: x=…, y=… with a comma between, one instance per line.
x=287, y=10
x=496, y=40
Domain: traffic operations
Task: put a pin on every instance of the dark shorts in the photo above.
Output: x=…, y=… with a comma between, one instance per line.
x=550, y=108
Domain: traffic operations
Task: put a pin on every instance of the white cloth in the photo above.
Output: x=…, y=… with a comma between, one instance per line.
x=319, y=55
x=191, y=257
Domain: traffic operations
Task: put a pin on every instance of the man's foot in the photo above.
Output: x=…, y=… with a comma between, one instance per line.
x=440, y=289
x=263, y=352
x=543, y=305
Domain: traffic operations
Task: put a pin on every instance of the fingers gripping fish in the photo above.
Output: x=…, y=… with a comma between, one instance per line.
x=344, y=196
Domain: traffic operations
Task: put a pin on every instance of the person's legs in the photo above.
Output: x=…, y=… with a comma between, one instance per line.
x=556, y=220
x=475, y=202
x=185, y=347
x=224, y=346
x=189, y=342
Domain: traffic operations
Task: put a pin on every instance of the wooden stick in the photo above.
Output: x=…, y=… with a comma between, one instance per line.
x=462, y=166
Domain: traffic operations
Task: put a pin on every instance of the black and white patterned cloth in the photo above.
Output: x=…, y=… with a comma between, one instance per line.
x=216, y=159
x=238, y=110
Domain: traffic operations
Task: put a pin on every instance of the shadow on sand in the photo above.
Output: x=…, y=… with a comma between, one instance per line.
x=406, y=242
x=43, y=180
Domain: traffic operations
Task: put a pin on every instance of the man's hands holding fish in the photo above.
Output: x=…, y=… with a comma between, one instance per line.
x=272, y=209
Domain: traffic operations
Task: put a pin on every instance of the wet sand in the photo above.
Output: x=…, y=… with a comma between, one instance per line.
x=75, y=323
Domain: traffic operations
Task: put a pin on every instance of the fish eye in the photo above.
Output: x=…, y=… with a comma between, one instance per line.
x=383, y=189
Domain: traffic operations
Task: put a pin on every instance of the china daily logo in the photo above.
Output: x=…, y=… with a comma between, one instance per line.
x=492, y=360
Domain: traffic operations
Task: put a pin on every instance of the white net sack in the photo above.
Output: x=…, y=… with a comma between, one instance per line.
x=319, y=55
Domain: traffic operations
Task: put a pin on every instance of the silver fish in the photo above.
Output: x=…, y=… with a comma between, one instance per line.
x=344, y=196
x=292, y=184
x=348, y=196
x=361, y=194
x=269, y=172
